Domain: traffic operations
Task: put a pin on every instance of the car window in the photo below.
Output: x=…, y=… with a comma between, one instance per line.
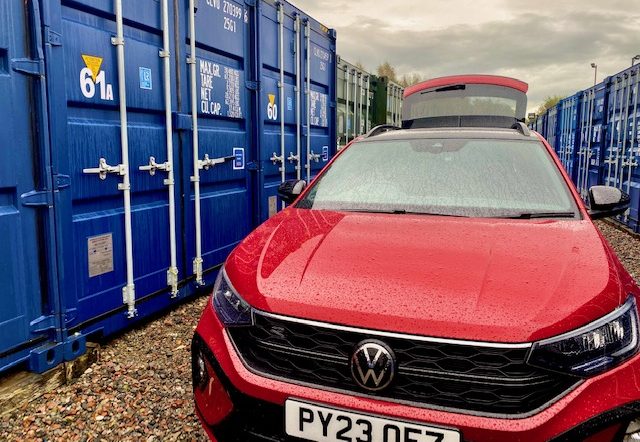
x=457, y=177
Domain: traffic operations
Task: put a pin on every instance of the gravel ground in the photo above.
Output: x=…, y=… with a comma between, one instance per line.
x=135, y=394
x=130, y=394
x=626, y=246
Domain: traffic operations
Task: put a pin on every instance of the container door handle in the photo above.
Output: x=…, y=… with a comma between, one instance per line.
x=276, y=159
x=153, y=167
x=207, y=163
x=314, y=157
x=104, y=169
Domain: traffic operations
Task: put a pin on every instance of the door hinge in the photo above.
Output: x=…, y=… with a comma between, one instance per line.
x=252, y=166
x=42, y=324
x=252, y=85
x=182, y=121
x=28, y=66
x=61, y=182
x=36, y=198
x=54, y=38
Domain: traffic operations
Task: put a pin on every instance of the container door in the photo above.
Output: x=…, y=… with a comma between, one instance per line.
x=595, y=146
x=320, y=100
x=88, y=145
x=277, y=109
x=224, y=152
x=23, y=207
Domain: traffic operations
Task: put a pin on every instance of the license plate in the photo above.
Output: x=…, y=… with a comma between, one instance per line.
x=320, y=424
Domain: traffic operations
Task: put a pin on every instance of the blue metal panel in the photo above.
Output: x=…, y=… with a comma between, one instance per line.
x=568, y=133
x=66, y=228
x=551, y=130
x=225, y=116
x=87, y=119
x=320, y=99
x=592, y=136
x=28, y=270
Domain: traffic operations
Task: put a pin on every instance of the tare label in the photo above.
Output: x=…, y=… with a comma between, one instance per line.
x=319, y=104
x=220, y=90
x=93, y=79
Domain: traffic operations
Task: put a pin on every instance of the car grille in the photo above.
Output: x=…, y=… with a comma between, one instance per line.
x=471, y=378
x=251, y=419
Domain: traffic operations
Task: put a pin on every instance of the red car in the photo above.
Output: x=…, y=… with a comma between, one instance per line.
x=432, y=284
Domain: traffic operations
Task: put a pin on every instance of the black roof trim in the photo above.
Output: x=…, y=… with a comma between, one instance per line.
x=522, y=128
x=383, y=128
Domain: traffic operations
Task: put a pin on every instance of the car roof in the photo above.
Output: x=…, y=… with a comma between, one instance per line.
x=453, y=133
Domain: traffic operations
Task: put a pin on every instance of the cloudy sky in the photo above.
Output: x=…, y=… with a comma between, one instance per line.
x=550, y=44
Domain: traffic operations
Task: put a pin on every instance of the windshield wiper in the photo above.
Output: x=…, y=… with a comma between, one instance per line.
x=404, y=212
x=536, y=215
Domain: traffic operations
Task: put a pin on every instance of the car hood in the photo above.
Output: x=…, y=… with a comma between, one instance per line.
x=474, y=279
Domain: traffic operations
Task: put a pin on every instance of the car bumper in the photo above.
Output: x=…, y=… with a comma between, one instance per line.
x=236, y=404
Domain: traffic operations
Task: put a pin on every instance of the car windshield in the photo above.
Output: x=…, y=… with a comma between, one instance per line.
x=449, y=177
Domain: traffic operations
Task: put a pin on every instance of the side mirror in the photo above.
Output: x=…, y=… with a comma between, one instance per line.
x=607, y=201
x=290, y=190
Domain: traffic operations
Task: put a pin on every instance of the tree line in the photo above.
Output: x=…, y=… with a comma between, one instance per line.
x=406, y=80
x=386, y=70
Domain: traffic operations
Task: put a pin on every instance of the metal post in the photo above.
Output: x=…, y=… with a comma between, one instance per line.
x=582, y=149
x=391, y=102
x=298, y=86
x=347, y=79
x=128, y=292
x=590, y=132
x=620, y=123
x=613, y=122
x=307, y=35
x=359, y=104
x=283, y=174
x=172, y=273
x=368, y=118
x=634, y=133
x=195, y=179
x=621, y=160
x=355, y=103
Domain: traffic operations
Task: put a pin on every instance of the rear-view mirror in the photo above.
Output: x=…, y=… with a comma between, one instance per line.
x=607, y=201
x=290, y=190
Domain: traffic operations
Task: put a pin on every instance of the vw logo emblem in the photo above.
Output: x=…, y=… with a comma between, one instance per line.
x=373, y=365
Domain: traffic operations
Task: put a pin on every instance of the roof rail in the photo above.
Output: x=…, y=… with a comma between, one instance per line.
x=381, y=129
x=522, y=128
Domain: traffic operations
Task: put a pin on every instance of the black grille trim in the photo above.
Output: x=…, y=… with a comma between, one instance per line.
x=445, y=375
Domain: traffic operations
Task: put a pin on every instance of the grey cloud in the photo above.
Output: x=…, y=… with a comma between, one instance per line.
x=550, y=45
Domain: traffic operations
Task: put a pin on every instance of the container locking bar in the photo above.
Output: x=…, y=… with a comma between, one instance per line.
x=105, y=169
x=277, y=159
x=207, y=163
x=294, y=158
x=153, y=167
x=314, y=157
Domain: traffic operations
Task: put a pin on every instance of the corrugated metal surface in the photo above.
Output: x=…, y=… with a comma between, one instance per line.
x=388, y=102
x=595, y=133
x=356, y=93
x=70, y=241
x=568, y=134
x=29, y=314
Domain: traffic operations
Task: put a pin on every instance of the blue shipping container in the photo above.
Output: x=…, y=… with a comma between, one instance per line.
x=596, y=135
x=111, y=205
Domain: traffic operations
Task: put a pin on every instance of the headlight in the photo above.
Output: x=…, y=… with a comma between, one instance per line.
x=594, y=348
x=232, y=310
